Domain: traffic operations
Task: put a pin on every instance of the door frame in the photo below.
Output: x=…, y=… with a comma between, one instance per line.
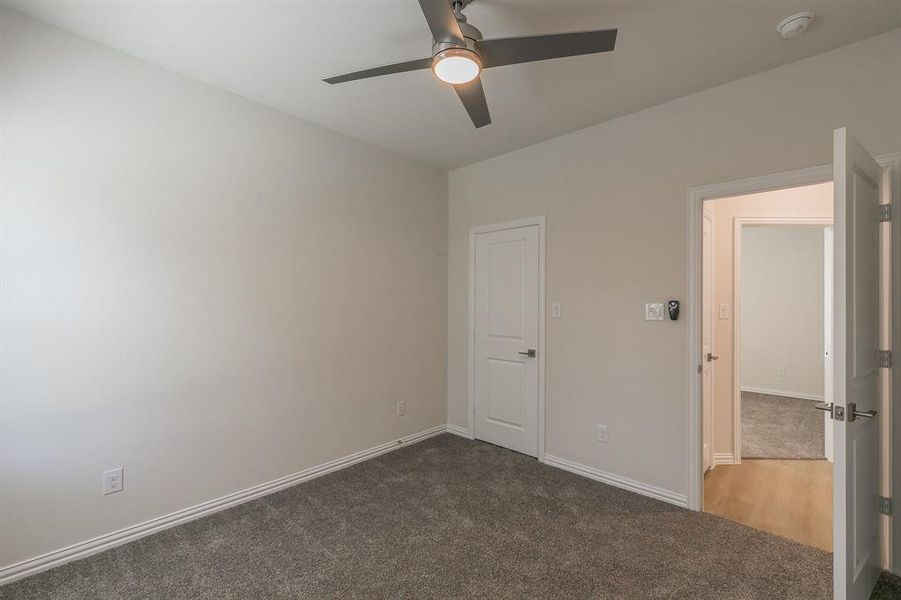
x=696, y=196
x=470, y=368
x=739, y=223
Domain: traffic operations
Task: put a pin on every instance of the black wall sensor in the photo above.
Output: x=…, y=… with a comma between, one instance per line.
x=673, y=307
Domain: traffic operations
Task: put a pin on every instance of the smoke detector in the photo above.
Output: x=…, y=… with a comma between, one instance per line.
x=795, y=25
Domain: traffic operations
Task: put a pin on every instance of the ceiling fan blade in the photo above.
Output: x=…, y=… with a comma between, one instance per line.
x=410, y=65
x=473, y=97
x=531, y=48
x=441, y=19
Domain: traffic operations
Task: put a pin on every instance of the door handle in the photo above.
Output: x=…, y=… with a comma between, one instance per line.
x=854, y=414
x=836, y=413
x=530, y=353
x=711, y=357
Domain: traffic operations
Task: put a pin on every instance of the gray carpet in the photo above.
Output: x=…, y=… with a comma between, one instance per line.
x=778, y=427
x=448, y=518
x=887, y=588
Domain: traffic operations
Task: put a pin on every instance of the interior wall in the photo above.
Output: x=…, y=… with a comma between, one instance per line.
x=808, y=201
x=614, y=196
x=208, y=292
x=782, y=311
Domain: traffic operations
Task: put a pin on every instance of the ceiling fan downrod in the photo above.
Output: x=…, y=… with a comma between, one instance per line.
x=458, y=6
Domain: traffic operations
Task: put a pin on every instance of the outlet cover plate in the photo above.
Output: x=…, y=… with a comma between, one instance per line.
x=113, y=480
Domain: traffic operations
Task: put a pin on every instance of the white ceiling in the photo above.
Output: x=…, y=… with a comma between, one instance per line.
x=276, y=52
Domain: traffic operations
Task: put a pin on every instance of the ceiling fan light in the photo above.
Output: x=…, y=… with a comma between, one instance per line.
x=456, y=66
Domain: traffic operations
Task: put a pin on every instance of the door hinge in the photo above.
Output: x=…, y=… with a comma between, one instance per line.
x=885, y=505
x=885, y=213
x=884, y=359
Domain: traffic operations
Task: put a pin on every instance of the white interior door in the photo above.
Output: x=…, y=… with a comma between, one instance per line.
x=707, y=325
x=855, y=337
x=829, y=253
x=506, y=321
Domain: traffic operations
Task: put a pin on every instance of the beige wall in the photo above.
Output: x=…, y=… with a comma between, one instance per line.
x=615, y=200
x=782, y=311
x=809, y=201
x=211, y=293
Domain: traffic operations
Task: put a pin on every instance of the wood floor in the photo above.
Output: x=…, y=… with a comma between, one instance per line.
x=791, y=498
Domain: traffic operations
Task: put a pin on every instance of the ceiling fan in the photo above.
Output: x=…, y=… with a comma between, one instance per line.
x=459, y=53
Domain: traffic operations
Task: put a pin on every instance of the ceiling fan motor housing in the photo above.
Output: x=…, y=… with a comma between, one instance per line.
x=444, y=46
x=469, y=31
x=471, y=35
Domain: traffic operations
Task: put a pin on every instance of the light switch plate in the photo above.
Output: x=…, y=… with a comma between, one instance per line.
x=653, y=312
x=724, y=311
x=555, y=310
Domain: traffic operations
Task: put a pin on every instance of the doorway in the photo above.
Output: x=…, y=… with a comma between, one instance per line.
x=782, y=288
x=507, y=335
x=767, y=312
x=865, y=275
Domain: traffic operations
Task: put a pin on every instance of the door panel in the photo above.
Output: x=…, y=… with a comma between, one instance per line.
x=855, y=373
x=506, y=396
x=506, y=328
x=506, y=263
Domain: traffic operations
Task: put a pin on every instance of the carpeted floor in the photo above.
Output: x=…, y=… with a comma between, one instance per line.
x=778, y=427
x=887, y=588
x=449, y=518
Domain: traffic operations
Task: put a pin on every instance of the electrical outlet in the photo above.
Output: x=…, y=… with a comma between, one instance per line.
x=603, y=434
x=401, y=408
x=113, y=480
x=555, y=310
x=724, y=311
x=780, y=371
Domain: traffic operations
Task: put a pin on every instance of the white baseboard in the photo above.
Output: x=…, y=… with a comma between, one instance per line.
x=617, y=481
x=723, y=458
x=461, y=431
x=784, y=393
x=116, y=538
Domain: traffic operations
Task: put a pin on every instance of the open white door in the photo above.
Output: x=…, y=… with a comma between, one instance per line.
x=855, y=338
x=828, y=280
x=707, y=338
